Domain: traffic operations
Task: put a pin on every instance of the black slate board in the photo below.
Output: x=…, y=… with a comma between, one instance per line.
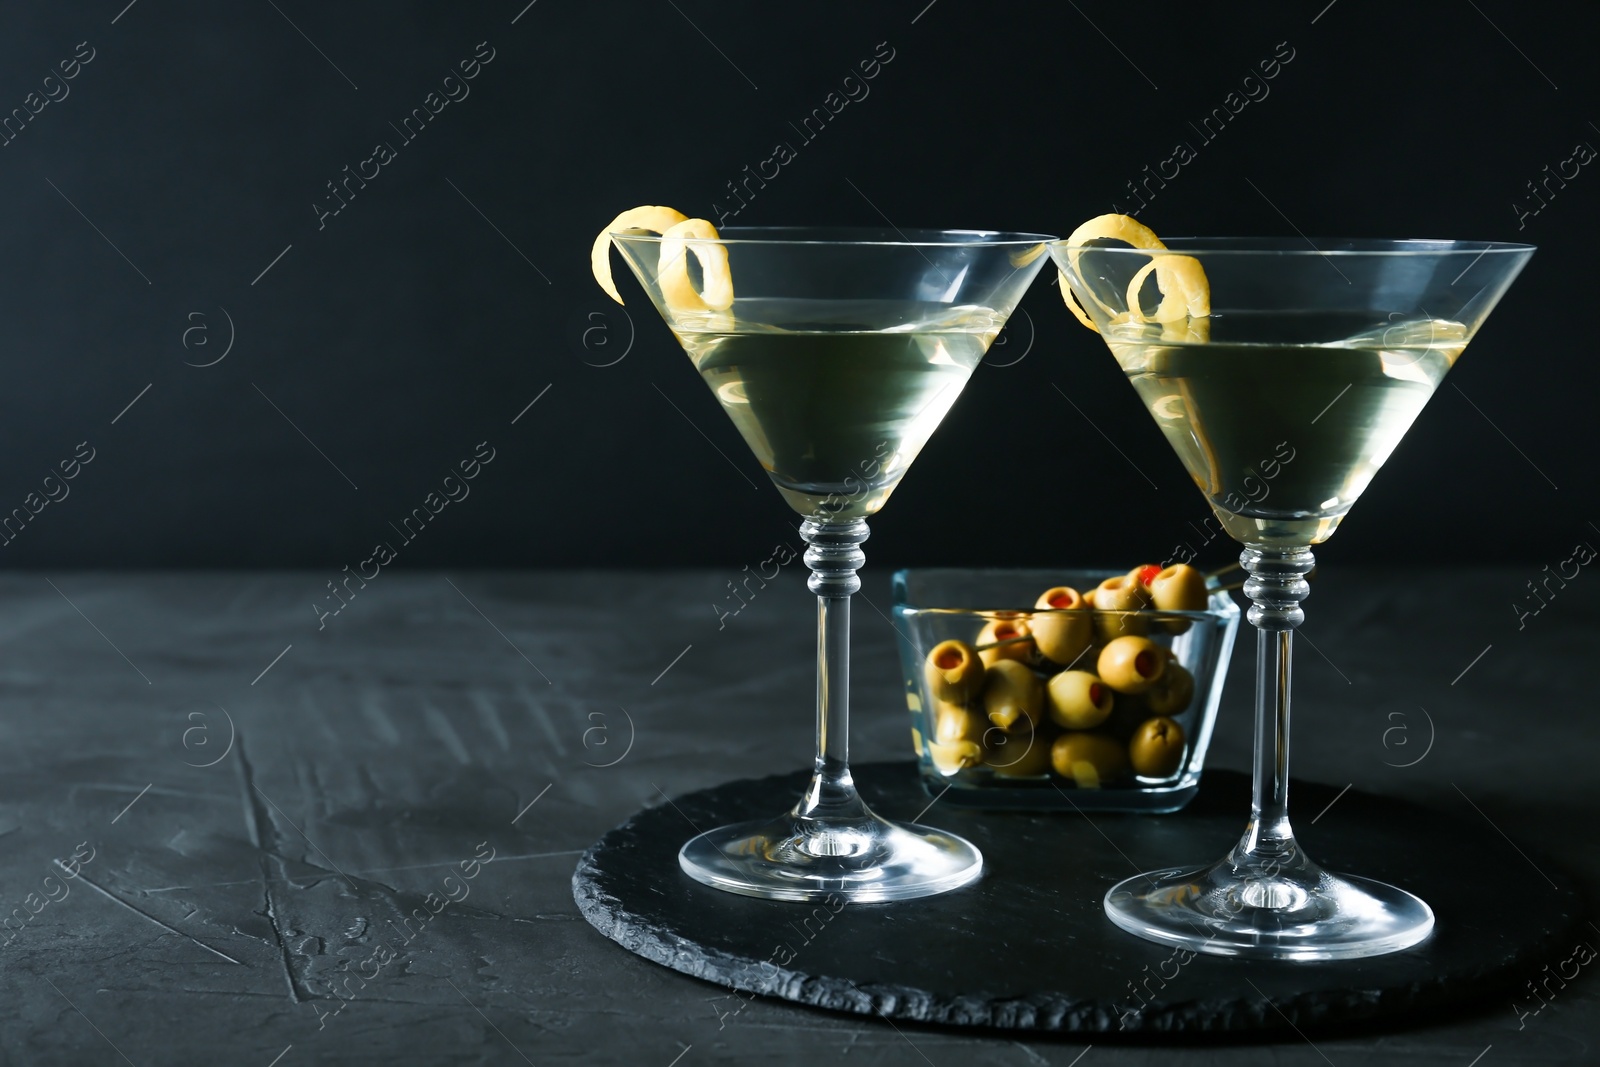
x=1027, y=947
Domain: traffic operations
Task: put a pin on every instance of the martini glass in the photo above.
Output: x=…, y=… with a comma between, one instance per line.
x=1283, y=403
x=837, y=359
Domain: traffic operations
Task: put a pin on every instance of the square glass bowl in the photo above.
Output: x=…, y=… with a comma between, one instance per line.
x=1044, y=765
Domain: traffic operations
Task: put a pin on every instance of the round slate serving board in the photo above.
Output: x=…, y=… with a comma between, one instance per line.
x=1027, y=947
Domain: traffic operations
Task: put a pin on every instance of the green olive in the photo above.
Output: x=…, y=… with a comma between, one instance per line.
x=1131, y=664
x=1173, y=691
x=954, y=672
x=951, y=757
x=1156, y=750
x=1009, y=631
x=1122, y=594
x=1089, y=760
x=1022, y=754
x=1065, y=629
x=1180, y=588
x=1143, y=575
x=1012, y=695
x=957, y=722
x=1059, y=596
x=1079, y=700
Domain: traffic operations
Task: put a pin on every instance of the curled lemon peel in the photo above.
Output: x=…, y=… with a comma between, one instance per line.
x=1124, y=228
x=1071, y=300
x=698, y=238
x=652, y=219
x=1185, y=291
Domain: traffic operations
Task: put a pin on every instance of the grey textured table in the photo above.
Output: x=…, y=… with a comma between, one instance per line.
x=277, y=902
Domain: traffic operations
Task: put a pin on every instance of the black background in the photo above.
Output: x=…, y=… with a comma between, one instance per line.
x=455, y=288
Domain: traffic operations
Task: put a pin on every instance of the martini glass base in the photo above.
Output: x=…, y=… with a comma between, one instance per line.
x=1303, y=914
x=863, y=860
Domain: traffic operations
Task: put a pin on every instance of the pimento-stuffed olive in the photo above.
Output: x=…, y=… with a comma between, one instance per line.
x=1014, y=634
x=954, y=672
x=1179, y=588
x=1079, y=700
x=1144, y=574
x=1065, y=628
x=1120, y=594
x=1131, y=664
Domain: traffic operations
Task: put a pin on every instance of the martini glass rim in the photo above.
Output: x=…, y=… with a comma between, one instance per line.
x=1307, y=247
x=857, y=236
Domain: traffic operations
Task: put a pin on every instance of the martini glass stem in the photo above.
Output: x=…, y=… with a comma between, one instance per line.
x=1267, y=899
x=830, y=846
x=1275, y=587
x=834, y=555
